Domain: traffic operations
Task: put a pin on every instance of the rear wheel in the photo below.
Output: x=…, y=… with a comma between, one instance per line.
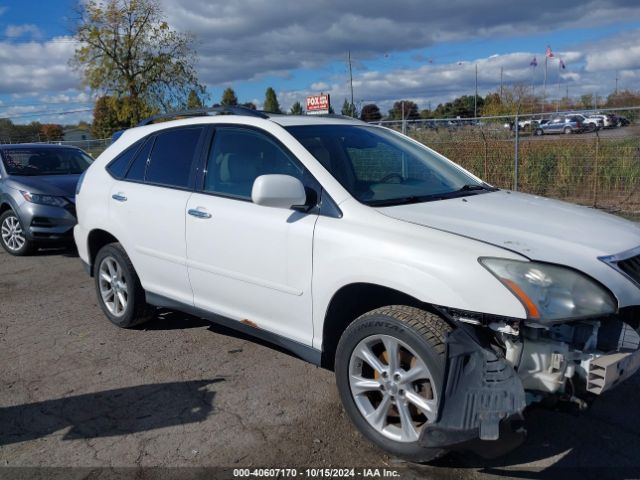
x=567, y=130
x=12, y=235
x=120, y=293
x=390, y=367
x=539, y=132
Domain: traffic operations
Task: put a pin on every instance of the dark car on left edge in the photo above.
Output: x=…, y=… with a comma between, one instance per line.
x=37, y=195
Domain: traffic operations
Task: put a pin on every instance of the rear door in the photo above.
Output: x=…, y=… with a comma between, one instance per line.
x=147, y=210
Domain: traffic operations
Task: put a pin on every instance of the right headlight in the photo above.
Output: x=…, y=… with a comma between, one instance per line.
x=550, y=292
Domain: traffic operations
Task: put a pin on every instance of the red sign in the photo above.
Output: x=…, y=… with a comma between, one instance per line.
x=318, y=104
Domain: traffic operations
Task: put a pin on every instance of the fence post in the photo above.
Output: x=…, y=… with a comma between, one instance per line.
x=516, y=162
x=595, y=171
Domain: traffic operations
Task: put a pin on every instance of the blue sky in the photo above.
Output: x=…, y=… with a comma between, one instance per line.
x=403, y=50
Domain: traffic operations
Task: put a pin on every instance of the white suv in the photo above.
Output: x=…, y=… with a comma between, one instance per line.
x=443, y=305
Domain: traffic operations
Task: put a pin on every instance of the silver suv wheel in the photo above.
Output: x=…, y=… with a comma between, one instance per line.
x=113, y=286
x=12, y=234
x=392, y=387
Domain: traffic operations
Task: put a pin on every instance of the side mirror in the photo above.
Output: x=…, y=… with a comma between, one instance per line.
x=279, y=191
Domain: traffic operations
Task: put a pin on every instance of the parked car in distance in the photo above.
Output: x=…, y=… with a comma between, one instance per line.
x=37, y=195
x=571, y=123
x=443, y=305
x=590, y=124
x=608, y=120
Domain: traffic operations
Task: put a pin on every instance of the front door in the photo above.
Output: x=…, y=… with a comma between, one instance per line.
x=249, y=262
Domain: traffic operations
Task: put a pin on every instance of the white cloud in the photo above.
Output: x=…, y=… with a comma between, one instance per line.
x=37, y=66
x=16, y=31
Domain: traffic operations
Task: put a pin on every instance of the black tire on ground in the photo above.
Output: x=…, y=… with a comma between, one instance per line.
x=567, y=130
x=28, y=245
x=423, y=332
x=539, y=132
x=137, y=310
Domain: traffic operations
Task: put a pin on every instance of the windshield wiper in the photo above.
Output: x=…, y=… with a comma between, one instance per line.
x=402, y=200
x=469, y=187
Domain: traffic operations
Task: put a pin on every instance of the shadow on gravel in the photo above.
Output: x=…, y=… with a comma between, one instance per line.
x=602, y=442
x=113, y=412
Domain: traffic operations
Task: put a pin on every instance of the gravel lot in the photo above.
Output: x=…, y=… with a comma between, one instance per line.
x=77, y=391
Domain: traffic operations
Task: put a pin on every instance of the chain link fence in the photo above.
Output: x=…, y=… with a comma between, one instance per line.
x=598, y=168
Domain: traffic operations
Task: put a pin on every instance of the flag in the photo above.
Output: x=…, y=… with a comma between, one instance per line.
x=562, y=65
x=548, y=52
x=534, y=62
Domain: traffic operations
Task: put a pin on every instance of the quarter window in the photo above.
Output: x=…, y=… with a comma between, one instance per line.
x=240, y=156
x=137, y=168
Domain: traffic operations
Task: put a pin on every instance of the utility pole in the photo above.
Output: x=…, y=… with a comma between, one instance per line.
x=616, y=83
x=351, y=85
x=475, y=98
x=501, y=71
x=544, y=85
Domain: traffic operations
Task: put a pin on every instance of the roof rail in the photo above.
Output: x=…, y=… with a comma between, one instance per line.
x=199, y=112
x=336, y=115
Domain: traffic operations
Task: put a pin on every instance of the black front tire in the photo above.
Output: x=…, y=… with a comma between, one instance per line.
x=423, y=332
x=137, y=310
x=539, y=132
x=27, y=247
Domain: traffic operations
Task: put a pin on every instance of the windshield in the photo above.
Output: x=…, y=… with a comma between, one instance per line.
x=380, y=167
x=45, y=161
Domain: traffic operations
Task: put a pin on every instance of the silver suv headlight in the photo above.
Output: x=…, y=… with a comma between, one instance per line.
x=44, y=199
x=549, y=292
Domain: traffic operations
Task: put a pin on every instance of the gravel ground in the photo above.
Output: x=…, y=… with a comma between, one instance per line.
x=76, y=391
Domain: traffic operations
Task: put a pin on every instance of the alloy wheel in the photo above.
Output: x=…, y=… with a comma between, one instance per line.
x=113, y=286
x=12, y=234
x=392, y=387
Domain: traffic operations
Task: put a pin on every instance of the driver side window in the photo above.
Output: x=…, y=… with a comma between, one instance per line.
x=239, y=156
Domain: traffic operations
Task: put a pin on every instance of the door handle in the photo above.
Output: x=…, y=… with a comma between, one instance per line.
x=119, y=197
x=194, y=212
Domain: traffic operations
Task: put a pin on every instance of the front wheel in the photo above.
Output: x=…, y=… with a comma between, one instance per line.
x=118, y=287
x=12, y=235
x=539, y=132
x=390, y=366
x=567, y=130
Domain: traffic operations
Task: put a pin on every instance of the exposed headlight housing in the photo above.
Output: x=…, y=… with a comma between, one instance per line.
x=551, y=293
x=44, y=199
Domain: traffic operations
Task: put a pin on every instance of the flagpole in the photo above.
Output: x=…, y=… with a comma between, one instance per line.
x=558, y=101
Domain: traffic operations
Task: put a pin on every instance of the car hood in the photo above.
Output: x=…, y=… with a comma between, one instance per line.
x=57, y=185
x=538, y=228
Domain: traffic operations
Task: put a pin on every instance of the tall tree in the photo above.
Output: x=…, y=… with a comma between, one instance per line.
x=51, y=132
x=194, y=101
x=370, y=113
x=409, y=108
x=348, y=109
x=229, y=97
x=127, y=49
x=271, y=101
x=111, y=114
x=296, y=109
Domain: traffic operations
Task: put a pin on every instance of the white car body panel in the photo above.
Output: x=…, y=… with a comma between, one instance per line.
x=150, y=224
x=253, y=263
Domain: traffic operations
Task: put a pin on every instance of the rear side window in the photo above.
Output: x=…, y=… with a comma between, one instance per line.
x=172, y=157
x=138, y=167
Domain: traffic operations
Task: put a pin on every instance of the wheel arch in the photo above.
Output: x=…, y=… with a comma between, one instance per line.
x=353, y=300
x=97, y=239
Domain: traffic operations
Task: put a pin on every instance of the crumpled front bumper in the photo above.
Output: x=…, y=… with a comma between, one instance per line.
x=481, y=408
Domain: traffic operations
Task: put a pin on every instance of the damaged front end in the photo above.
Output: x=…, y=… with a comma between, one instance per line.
x=496, y=367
